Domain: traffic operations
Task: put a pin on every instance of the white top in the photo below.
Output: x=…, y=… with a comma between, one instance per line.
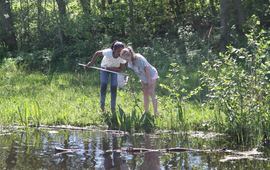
x=109, y=61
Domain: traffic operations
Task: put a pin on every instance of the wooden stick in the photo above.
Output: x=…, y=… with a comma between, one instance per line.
x=138, y=150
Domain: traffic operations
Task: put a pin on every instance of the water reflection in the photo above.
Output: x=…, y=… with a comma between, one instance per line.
x=11, y=158
x=115, y=162
x=151, y=160
x=34, y=149
x=64, y=159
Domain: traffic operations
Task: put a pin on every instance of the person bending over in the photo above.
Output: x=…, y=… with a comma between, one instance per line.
x=110, y=61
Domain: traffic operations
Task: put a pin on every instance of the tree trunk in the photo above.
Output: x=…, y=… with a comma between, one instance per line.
x=86, y=6
x=224, y=26
x=109, y=2
x=62, y=13
x=171, y=2
x=202, y=2
x=6, y=21
x=214, y=12
x=103, y=5
x=181, y=7
x=62, y=8
x=241, y=14
x=39, y=7
x=59, y=28
x=28, y=23
x=131, y=15
x=21, y=19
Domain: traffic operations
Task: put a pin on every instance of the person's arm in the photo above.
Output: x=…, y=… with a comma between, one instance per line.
x=98, y=53
x=118, y=69
x=148, y=76
x=143, y=84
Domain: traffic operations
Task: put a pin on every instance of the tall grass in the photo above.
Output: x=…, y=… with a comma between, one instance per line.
x=65, y=99
x=57, y=97
x=72, y=98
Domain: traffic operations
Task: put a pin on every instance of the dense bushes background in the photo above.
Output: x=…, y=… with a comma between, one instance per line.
x=207, y=52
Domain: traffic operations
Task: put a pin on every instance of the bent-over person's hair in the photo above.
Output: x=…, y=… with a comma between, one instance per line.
x=128, y=52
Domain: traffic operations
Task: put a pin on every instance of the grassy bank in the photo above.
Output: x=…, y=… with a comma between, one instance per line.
x=72, y=98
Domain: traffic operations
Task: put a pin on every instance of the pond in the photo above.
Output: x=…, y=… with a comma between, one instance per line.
x=34, y=148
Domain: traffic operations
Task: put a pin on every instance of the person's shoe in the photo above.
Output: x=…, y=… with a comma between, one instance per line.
x=102, y=109
x=155, y=116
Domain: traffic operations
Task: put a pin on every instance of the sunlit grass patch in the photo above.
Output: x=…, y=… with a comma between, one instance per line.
x=73, y=98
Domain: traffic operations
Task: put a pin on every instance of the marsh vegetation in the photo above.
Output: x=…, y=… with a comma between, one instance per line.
x=213, y=63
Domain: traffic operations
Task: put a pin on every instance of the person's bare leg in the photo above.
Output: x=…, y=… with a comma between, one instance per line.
x=154, y=101
x=145, y=97
x=153, y=95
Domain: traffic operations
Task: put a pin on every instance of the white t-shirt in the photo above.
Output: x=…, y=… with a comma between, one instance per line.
x=109, y=61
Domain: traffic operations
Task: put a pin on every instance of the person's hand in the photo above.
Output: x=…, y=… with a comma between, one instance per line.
x=104, y=69
x=89, y=64
x=144, y=85
x=149, y=84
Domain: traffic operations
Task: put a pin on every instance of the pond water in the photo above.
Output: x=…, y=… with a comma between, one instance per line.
x=34, y=148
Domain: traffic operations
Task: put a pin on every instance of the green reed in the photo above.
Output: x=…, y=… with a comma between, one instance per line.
x=30, y=113
x=24, y=115
x=36, y=114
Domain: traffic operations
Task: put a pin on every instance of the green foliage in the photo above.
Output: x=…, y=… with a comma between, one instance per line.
x=30, y=114
x=73, y=99
x=238, y=84
x=135, y=122
x=121, y=119
x=8, y=64
x=39, y=60
x=182, y=34
x=55, y=98
x=3, y=53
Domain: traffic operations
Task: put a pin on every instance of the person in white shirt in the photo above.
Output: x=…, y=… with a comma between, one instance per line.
x=111, y=61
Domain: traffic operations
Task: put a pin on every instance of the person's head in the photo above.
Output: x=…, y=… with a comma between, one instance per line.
x=117, y=47
x=128, y=55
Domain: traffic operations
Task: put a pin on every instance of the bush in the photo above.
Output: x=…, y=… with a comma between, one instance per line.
x=238, y=84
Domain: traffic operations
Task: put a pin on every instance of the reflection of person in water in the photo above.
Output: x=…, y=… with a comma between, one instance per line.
x=11, y=160
x=151, y=161
x=117, y=162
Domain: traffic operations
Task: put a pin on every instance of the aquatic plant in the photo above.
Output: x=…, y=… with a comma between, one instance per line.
x=24, y=116
x=36, y=113
x=131, y=122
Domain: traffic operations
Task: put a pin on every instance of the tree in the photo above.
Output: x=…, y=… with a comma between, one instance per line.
x=86, y=6
x=241, y=14
x=224, y=26
x=131, y=15
x=59, y=29
x=213, y=8
x=63, y=15
x=103, y=7
x=8, y=33
x=39, y=7
x=62, y=8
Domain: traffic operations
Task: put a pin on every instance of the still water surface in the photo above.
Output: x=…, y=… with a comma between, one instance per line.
x=33, y=148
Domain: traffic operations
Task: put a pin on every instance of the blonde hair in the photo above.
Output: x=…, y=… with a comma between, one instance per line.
x=128, y=52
